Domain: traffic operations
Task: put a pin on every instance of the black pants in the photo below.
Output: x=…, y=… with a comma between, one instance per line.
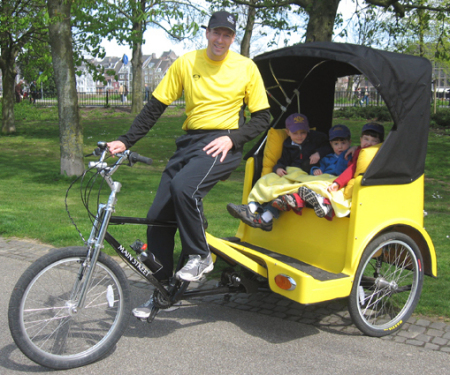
x=189, y=175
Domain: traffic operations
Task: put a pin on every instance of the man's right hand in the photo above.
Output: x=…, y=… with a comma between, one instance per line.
x=116, y=147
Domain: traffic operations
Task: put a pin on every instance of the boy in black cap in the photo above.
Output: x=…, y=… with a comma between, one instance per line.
x=218, y=84
x=372, y=134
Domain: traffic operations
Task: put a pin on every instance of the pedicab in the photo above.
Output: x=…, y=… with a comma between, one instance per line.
x=377, y=255
x=71, y=306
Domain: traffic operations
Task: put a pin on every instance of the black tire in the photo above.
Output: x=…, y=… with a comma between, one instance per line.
x=387, y=284
x=41, y=320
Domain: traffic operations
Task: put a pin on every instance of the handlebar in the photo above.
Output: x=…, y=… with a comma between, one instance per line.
x=133, y=157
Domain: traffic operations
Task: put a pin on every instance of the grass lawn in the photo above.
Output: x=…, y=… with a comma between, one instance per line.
x=32, y=192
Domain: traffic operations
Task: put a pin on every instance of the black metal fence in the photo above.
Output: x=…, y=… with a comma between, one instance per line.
x=114, y=99
x=90, y=99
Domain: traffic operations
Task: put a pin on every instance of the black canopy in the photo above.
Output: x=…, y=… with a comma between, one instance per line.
x=403, y=81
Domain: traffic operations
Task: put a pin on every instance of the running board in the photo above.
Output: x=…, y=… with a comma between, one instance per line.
x=312, y=284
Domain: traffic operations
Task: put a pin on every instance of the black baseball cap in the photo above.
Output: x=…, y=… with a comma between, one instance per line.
x=377, y=128
x=222, y=19
x=339, y=131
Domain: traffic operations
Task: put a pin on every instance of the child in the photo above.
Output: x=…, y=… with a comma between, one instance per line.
x=371, y=135
x=302, y=149
x=333, y=164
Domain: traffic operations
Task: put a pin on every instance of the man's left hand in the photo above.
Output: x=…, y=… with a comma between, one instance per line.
x=219, y=146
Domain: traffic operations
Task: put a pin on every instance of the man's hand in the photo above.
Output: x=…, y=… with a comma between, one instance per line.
x=317, y=172
x=116, y=147
x=219, y=146
x=281, y=172
x=314, y=158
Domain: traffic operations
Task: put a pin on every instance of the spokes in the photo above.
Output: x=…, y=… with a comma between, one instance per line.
x=387, y=283
x=53, y=320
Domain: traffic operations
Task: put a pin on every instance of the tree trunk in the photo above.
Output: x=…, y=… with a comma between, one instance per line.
x=136, y=85
x=137, y=99
x=9, y=74
x=322, y=15
x=245, y=44
x=71, y=133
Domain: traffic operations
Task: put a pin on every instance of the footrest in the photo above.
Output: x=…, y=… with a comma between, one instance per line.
x=312, y=283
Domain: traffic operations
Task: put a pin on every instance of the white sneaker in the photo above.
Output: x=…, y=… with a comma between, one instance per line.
x=195, y=268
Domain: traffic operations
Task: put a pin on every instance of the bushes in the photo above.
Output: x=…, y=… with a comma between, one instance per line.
x=376, y=113
x=441, y=119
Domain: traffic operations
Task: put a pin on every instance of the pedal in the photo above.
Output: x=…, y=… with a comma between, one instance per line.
x=153, y=314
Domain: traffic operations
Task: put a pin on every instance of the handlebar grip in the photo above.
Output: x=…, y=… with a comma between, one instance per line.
x=135, y=157
x=96, y=152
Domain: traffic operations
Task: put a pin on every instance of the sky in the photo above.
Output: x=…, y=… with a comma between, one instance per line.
x=157, y=42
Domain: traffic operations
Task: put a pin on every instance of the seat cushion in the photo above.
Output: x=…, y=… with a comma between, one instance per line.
x=365, y=157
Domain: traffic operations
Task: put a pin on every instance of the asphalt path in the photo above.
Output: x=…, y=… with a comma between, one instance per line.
x=206, y=338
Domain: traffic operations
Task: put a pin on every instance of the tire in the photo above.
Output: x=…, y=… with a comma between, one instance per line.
x=44, y=327
x=387, y=284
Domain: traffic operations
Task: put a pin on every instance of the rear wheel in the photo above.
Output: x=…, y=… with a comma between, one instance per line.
x=387, y=284
x=44, y=322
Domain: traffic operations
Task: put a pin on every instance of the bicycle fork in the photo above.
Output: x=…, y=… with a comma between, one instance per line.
x=95, y=246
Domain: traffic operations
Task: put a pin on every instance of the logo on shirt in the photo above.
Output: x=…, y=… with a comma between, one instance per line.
x=196, y=77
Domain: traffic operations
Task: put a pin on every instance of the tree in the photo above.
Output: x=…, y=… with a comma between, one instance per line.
x=256, y=23
x=127, y=20
x=323, y=13
x=71, y=134
x=21, y=22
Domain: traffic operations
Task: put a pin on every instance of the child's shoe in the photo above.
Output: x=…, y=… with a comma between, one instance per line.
x=281, y=204
x=317, y=201
x=254, y=220
x=289, y=201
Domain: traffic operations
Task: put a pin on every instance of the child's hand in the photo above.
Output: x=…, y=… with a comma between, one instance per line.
x=314, y=158
x=317, y=172
x=350, y=151
x=333, y=187
x=281, y=172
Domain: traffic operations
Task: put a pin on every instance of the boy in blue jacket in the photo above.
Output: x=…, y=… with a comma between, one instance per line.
x=335, y=163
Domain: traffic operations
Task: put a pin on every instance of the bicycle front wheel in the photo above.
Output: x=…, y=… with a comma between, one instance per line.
x=44, y=322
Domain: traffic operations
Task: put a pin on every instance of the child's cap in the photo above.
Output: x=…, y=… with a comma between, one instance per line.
x=374, y=127
x=296, y=122
x=339, y=131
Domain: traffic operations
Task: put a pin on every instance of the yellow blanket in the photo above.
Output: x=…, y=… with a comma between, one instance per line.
x=271, y=186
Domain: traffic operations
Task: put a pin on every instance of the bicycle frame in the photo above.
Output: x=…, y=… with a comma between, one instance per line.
x=99, y=234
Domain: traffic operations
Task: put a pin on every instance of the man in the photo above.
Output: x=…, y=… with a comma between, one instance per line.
x=217, y=84
x=19, y=92
x=33, y=90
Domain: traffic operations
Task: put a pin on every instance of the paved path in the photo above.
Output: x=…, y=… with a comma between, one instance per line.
x=261, y=319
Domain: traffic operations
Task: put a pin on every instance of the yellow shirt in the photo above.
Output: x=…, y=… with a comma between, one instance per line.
x=214, y=91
